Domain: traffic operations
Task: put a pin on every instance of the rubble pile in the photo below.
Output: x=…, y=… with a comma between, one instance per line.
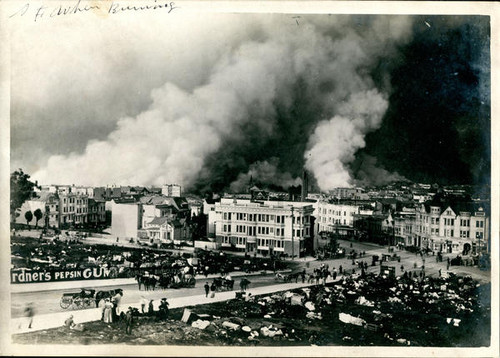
x=356, y=311
x=364, y=310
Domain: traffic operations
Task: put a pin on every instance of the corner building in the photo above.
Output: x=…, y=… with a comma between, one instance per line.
x=269, y=227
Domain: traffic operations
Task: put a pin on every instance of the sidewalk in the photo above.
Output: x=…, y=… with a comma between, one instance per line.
x=53, y=320
x=77, y=284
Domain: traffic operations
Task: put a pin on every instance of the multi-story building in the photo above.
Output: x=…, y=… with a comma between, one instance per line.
x=83, y=190
x=269, y=227
x=460, y=228
x=372, y=227
x=73, y=208
x=160, y=206
x=336, y=216
x=401, y=225
x=165, y=230
x=96, y=211
x=171, y=190
x=52, y=211
x=349, y=193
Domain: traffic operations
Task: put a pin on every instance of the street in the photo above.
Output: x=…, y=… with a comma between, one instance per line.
x=48, y=301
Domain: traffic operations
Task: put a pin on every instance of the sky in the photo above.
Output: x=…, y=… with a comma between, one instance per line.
x=210, y=101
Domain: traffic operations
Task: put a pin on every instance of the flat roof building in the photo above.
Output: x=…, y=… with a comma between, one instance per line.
x=268, y=227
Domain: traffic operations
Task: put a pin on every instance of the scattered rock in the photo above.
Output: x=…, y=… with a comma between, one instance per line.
x=230, y=325
x=200, y=324
x=310, y=306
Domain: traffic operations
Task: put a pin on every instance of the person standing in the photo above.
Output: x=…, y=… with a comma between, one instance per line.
x=116, y=301
x=207, y=289
x=29, y=312
x=144, y=302
x=108, y=311
x=212, y=289
x=163, y=310
x=129, y=320
x=151, y=309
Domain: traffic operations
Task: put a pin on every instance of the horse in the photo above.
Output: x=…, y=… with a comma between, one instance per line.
x=229, y=284
x=279, y=276
x=140, y=280
x=165, y=281
x=149, y=283
x=101, y=295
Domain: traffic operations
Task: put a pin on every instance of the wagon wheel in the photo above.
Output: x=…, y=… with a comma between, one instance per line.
x=78, y=302
x=65, y=302
x=87, y=302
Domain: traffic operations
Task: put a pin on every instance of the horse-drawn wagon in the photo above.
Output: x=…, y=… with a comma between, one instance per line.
x=86, y=298
x=82, y=299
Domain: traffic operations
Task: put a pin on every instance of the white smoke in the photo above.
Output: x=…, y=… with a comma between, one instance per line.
x=171, y=140
x=335, y=142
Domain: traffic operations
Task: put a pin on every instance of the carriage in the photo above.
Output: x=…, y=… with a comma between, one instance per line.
x=187, y=281
x=86, y=298
x=169, y=279
x=223, y=284
x=82, y=299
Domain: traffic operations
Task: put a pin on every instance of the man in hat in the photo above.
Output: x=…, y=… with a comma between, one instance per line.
x=207, y=289
x=163, y=313
x=129, y=320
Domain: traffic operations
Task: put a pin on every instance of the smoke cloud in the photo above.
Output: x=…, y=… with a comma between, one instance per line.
x=276, y=99
x=266, y=172
x=335, y=142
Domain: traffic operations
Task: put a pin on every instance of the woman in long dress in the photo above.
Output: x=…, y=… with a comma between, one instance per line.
x=108, y=310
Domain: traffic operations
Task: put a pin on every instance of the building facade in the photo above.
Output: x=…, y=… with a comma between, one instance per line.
x=461, y=228
x=263, y=227
x=173, y=190
x=331, y=217
x=73, y=208
x=96, y=211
